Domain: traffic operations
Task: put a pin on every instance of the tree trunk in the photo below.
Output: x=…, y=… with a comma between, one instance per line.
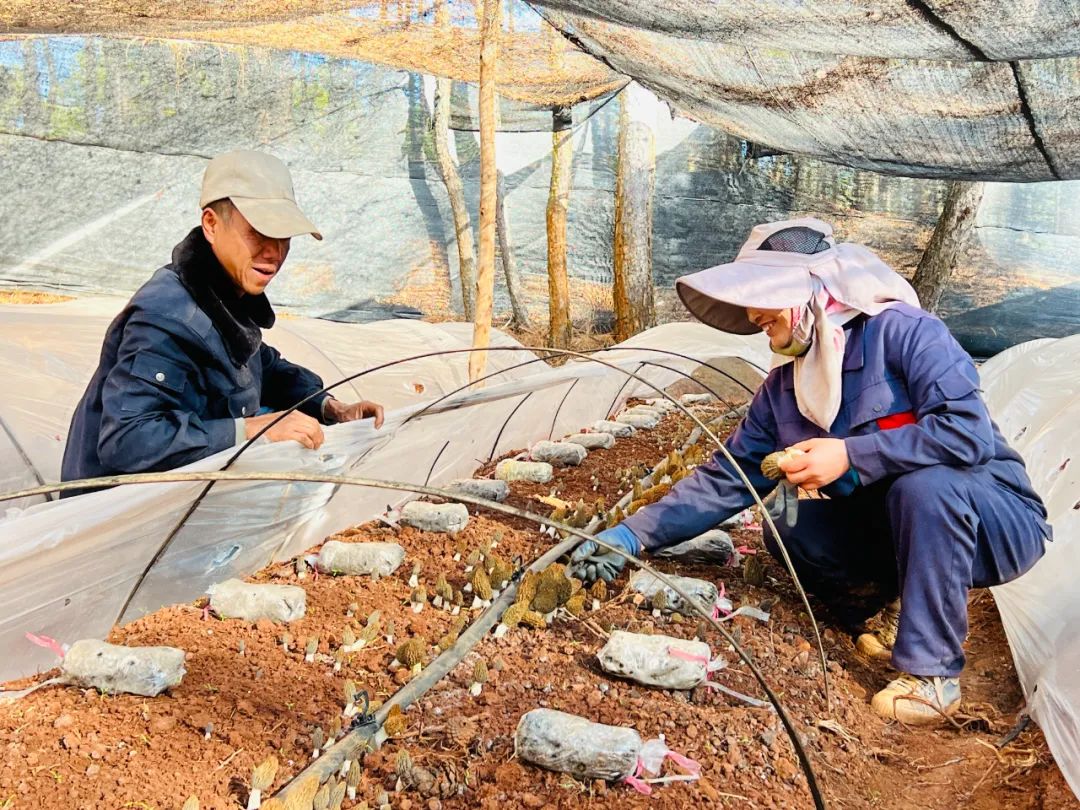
x=948, y=240
x=463, y=232
x=520, y=319
x=633, y=293
x=485, y=271
x=448, y=168
x=562, y=158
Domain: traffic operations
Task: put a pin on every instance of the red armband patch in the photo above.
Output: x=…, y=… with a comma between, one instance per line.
x=895, y=420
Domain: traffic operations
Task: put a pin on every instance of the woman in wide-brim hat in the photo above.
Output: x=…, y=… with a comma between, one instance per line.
x=925, y=498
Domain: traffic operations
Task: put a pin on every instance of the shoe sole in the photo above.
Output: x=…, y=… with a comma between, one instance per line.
x=911, y=712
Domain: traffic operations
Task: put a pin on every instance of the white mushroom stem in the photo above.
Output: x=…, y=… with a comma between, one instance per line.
x=254, y=799
x=476, y=688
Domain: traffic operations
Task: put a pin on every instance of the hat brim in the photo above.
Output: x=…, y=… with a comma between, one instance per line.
x=278, y=219
x=719, y=296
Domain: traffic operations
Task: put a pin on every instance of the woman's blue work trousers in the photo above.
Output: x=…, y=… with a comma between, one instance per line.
x=928, y=536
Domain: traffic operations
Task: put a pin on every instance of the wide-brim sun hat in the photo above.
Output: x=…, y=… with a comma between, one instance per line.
x=771, y=271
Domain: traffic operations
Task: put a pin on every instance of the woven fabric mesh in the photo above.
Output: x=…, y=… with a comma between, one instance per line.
x=796, y=240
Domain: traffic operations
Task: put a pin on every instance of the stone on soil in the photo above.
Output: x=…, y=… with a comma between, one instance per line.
x=537, y=472
x=112, y=668
x=648, y=660
x=704, y=593
x=233, y=599
x=714, y=547
x=488, y=488
x=592, y=441
x=435, y=517
x=564, y=453
x=620, y=430
x=570, y=744
x=359, y=559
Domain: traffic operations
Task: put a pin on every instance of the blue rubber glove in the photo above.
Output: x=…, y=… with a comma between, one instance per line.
x=590, y=562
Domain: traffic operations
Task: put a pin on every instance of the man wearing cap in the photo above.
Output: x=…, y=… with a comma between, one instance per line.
x=925, y=498
x=184, y=372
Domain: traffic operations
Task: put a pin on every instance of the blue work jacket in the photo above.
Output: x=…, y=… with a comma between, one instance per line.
x=910, y=399
x=180, y=365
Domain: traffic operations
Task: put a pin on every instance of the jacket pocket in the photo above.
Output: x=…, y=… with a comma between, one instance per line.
x=878, y=400
x=958, y=382
x=242, y=403
x=159, y=371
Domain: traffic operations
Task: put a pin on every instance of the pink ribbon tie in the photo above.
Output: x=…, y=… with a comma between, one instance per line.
x=47, y=643
x=634, y=780
x=691, y=766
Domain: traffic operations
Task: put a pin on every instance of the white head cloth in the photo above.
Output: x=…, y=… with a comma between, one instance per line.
x=825, y=289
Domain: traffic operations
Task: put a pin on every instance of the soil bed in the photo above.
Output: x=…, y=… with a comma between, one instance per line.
x=75, y=748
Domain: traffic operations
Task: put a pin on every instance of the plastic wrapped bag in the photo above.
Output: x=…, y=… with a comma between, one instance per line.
x=359, y=559
x=566, y=454
x=489, y=488
x=435, y=517
x=570, y=744
x=643, y=421
x=111, y=668
x=649, y=660
x=592, y=441
x=233, y=599
x=620, y=430
x=705, y=593
x=714, y=547
x=537, y=472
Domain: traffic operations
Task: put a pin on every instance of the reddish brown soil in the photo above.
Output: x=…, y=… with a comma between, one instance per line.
x=77, y=749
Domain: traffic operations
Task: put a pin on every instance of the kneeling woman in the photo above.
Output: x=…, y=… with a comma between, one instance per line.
x=925, y=498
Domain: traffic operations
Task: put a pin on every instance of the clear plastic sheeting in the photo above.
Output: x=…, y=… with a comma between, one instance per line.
x=1033, y=391
x=69, y=566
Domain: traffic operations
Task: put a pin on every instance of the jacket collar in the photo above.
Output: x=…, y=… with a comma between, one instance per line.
x=853, y=351
x=238, y=319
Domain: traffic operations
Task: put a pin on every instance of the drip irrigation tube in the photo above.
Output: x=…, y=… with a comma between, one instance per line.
x=487, y=620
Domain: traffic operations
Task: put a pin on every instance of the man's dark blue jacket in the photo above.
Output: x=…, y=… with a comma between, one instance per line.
x=181, y=363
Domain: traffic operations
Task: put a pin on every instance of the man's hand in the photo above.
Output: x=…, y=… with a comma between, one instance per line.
x=337, y=411
x=297, y=427
x=822, y=462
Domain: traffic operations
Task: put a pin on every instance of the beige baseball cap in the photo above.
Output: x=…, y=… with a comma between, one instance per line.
x=261, y=188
